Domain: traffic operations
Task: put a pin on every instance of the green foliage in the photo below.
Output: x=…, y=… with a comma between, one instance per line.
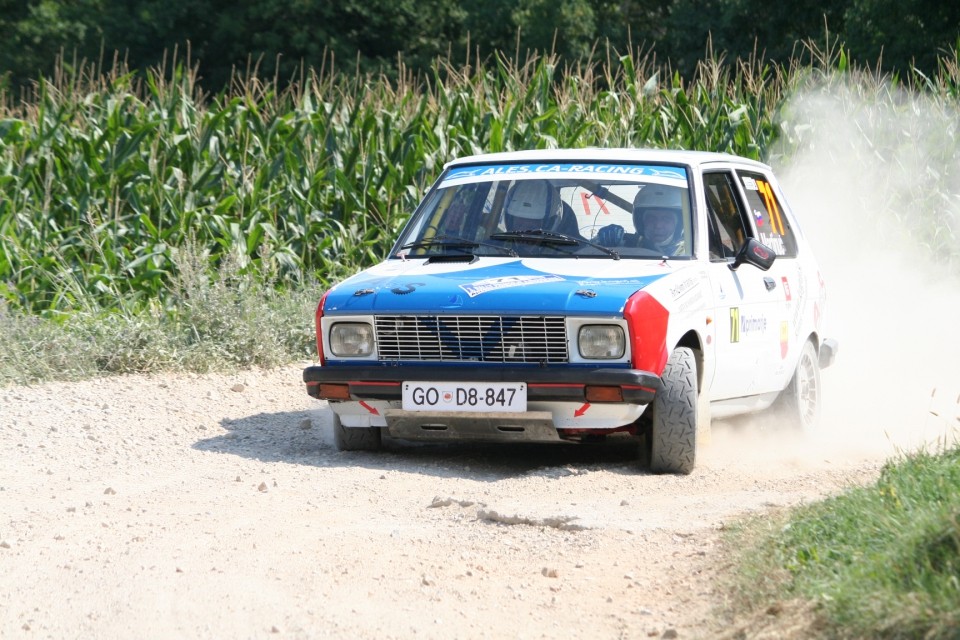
x=280, y=38
x=32, y=34
x=222, y=320
x=748, y=29
x=105, y=176
x=106, y=179
x=880, y=561
x=888, y=30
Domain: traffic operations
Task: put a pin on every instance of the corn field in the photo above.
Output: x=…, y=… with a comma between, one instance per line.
x=108, y=178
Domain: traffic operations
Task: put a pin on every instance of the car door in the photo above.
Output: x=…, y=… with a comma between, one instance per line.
x=746, y=300
x=786, y=284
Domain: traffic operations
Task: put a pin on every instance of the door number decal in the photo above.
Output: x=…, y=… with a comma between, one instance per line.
x=734, y=324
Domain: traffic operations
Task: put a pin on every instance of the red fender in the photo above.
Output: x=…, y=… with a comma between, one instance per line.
x=319, y=331
x=647, y=322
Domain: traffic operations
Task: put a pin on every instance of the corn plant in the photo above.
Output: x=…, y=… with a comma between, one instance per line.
x=104, y=175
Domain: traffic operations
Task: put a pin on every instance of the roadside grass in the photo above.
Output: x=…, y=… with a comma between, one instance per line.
x=213, y=319
x=881, y=561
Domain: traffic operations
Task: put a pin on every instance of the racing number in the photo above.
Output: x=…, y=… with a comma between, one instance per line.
x=773, y=210
x=586, y=197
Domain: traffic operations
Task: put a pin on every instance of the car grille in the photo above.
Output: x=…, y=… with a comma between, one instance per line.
x=533, y=339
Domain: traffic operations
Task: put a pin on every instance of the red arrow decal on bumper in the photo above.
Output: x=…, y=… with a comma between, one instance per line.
x=372, y=410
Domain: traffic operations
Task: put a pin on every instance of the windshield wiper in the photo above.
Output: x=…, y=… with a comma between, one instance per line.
x=542, y=236
x=455, y=242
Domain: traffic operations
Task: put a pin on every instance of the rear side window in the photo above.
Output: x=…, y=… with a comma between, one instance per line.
x=773, y=228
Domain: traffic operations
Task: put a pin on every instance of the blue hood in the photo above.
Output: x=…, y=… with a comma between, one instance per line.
x=495, y=286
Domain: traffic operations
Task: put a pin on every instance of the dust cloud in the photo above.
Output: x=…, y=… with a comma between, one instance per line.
x=872, y=186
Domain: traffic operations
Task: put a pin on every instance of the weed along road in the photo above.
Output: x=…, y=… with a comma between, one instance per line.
x=216, y=506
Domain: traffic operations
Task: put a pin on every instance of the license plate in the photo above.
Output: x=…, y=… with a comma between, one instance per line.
x=465, y=396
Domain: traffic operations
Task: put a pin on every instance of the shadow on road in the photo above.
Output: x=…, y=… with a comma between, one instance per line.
x=304, y=437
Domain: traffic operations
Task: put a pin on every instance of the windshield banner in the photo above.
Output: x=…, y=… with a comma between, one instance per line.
x=676, y=176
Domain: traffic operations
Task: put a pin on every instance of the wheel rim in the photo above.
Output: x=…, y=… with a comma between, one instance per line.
x=808, y=390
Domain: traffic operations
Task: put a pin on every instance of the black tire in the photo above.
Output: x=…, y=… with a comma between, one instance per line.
x=798, y=406
x=673, y=430
x=355, y=438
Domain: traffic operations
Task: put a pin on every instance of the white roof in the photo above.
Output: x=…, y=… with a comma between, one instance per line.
x=600, y=154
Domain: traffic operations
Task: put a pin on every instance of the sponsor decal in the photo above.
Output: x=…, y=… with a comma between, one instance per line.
x=742, y=325
x=634, y=282
x=775, y=242
x=821, y=300
x=784, y=339
x=749, y=183
x=801, y=299
x=494, y=284
x=773, y=209
x=752, y=324
x=786, y=288
x=683, y=287
x=569, y=168
x=693, y=301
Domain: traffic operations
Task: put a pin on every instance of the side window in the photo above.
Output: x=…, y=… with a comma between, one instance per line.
x=728, y=231
x=773, y=228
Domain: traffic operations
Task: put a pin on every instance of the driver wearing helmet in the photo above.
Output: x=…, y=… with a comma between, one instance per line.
x=530, y=205
x=658, y=219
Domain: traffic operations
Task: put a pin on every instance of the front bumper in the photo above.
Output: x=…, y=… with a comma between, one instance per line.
x=552, y=384
x=828, y=352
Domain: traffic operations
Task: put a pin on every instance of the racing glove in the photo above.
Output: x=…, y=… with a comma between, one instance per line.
x=610, y=236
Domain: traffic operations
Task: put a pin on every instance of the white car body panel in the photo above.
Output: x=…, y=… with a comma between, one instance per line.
x=464, y=296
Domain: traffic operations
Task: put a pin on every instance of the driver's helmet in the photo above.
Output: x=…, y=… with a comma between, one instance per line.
x=659, y=198
x=530, y=205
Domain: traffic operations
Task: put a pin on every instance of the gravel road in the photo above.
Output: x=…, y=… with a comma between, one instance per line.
x=215, y=506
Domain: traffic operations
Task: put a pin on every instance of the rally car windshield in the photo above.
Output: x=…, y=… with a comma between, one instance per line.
x=554, y=210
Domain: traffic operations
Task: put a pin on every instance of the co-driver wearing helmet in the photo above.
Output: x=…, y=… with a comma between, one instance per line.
x=657, y=216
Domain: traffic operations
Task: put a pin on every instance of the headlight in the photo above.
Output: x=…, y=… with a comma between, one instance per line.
x=351, y=339
x=601, y=341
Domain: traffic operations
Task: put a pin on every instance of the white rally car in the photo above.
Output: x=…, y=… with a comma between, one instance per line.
x=568, y=295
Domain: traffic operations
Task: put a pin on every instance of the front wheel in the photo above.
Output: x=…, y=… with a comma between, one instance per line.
x=354, y=438
x=673, y=430
x=799, y=404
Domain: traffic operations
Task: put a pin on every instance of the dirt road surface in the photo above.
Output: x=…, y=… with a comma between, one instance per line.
x=215, y=506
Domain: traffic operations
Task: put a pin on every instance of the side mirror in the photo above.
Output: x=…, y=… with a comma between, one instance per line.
x=756, y=253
